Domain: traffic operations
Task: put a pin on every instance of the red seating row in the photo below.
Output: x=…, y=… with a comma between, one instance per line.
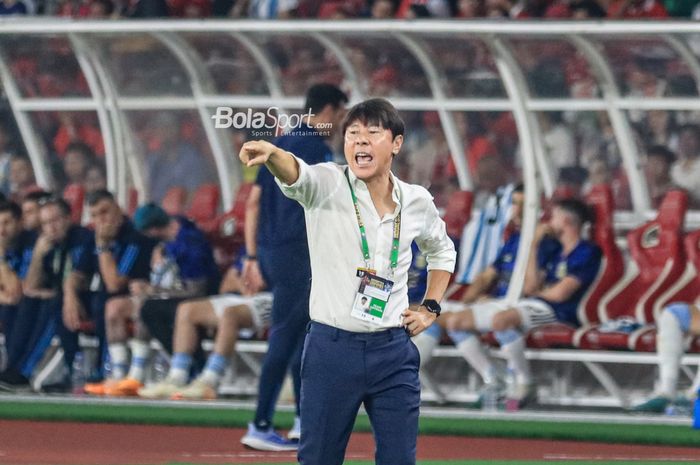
x=662, y=268
x=203, y=206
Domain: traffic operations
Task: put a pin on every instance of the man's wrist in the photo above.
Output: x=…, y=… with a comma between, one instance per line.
x=100, y=249
x=252, y=258
x=432, y=306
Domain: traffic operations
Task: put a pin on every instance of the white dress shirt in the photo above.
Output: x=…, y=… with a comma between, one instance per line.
x=335, y=247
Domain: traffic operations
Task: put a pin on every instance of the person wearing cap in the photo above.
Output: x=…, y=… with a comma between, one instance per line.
x=182, y=266
x=361, y=222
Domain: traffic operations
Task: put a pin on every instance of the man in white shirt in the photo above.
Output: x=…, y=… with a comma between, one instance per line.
x=361, y=221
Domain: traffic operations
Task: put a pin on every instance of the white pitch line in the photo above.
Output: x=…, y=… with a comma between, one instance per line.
x=619, y=458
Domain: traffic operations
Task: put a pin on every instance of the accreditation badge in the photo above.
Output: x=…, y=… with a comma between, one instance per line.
x=372, y=297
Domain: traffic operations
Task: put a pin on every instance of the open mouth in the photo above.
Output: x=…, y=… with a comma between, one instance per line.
x=363, y=158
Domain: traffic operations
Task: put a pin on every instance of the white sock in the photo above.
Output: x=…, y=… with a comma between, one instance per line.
x=119, y=359
x=515, y=353
x=180, y=364
x=425, y=344
x=214, y=369
x=669, y=347
x=140, y=351
x=473, y=352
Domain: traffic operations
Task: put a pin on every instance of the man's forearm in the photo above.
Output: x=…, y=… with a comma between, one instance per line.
x=481, y=285
x=11, y=284
x=252, y=214
x=438, y=280
x=35, y=274
x=110, y=276
x=283, y=166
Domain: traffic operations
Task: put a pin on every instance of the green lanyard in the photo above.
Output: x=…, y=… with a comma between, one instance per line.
x=394, y=256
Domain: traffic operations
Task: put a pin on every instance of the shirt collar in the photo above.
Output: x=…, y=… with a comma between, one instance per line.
x=358, y=184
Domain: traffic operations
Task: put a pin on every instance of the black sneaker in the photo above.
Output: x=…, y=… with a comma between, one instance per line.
x=61, y=387
x=11, y=380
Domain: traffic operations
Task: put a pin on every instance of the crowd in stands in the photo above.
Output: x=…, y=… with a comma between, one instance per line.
x=348, y=9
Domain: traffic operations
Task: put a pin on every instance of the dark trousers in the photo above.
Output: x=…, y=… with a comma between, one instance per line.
x=8, y=313
x=35, y=325
x=287, y=272
x=94, y=305
x=342, y=370
x=158, y=315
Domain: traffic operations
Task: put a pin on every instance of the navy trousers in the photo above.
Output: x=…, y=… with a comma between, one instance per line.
x=342, y=370
x=94, y=304
x=35, y=325
x=287, y=271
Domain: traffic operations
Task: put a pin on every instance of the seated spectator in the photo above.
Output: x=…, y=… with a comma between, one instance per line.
x=383, y=9
x=30, y=211
x=78, y=127
x=558, y=140
x=21, y=178
x=636, y=9
x=95, y=179
x=119, y=258
x=101, y=9
x=657, y=168
x=147, y=9
x=551, y=294
x=184, y=165
x=586, y=9
x=15, y=254
x=468, y=9
x=59, y=245
x=76, y=161
x=12, y=8
x=676, y=322
x=685, y=172
x=182, y=267
x=227, y=313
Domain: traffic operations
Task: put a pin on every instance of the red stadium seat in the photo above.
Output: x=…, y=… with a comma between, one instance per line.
x=612, y=265
x=458, y=212
x=686, y=289
x=205, y=203
x=658, y=262
x=74, y=194
x=226, y=232
x=175, y=200
x=611, y=270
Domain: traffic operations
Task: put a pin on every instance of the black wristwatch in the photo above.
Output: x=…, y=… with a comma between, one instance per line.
x=432, y=306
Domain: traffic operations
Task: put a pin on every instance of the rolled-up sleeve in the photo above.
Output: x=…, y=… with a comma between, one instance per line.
x=314, y=184
x=435, y=243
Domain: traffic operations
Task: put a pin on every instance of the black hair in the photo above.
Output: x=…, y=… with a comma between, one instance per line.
x=576, y=207
x=12, y=208
x=519, y=187
x=108, y=6
x=83, y=149
x=661, y=151
x=377, y=111
x=54, y=201
x=36, y=196
x=320, y=95
x=98, y=196
x=694, y=128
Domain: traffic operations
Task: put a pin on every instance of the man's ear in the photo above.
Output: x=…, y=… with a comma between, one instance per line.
x=396, y=145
